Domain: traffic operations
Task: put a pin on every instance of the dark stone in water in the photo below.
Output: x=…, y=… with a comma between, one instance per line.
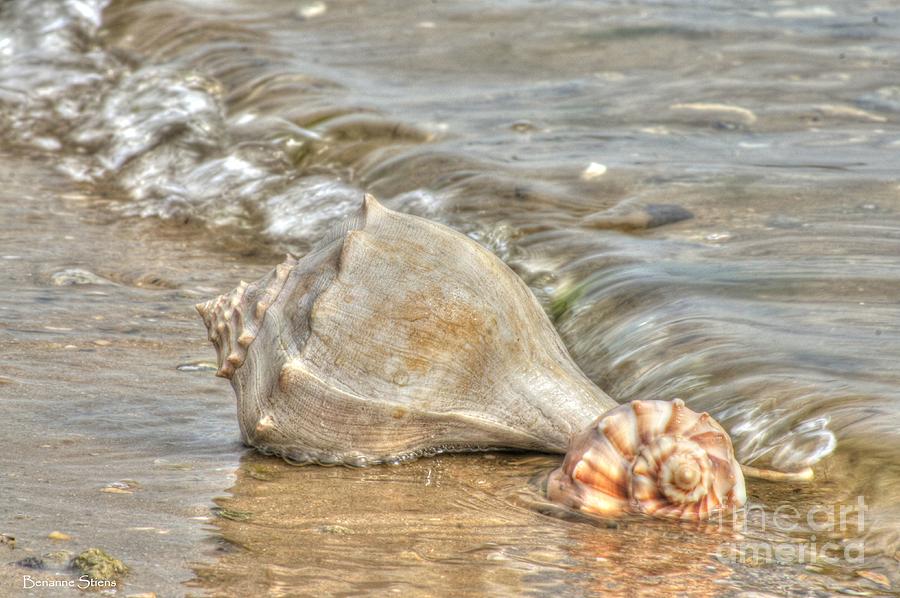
x=31, y=562
x=629, y=216
x=666, y=213
x=786, y=222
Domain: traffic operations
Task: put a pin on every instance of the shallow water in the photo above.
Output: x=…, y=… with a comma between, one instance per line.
x=703, y=196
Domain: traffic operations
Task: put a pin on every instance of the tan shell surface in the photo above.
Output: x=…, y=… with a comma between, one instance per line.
x=652, y=457
x=396, y=337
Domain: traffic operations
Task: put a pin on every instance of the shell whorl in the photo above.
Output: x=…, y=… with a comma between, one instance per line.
x=652, y=457
x=233, y=319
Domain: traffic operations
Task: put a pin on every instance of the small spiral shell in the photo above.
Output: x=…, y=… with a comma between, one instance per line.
x=652, y=457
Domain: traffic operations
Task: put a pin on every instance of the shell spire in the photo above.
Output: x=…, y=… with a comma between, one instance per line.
x=233, y=319
x=651, y=457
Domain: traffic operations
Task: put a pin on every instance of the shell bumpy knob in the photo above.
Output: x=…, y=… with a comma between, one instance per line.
x=651, y=457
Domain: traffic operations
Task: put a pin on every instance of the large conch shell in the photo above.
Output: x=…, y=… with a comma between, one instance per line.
x=651, y=457
x=396, y=338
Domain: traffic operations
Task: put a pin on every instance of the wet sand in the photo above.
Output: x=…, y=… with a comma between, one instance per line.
x=91, y=395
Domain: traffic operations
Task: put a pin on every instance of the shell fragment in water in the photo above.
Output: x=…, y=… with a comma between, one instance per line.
x=652, y=457
x=396, y=337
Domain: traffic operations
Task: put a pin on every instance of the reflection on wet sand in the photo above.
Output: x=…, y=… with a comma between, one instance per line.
x=476, y=525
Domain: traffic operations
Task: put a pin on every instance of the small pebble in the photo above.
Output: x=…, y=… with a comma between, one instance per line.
x=54, y=535
x=310, y=10
x=120, y=487
x=97, y=564
x=742, y=114
x=76, y=276
x=807, y=12
x=595, y=170
x=718, y=237
x=661, y=214
x=50, y=144
x=523, y=126
x=102, y=343
x=262, y=473
x=232, y=514
x=850, y=112
x=8, y=540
